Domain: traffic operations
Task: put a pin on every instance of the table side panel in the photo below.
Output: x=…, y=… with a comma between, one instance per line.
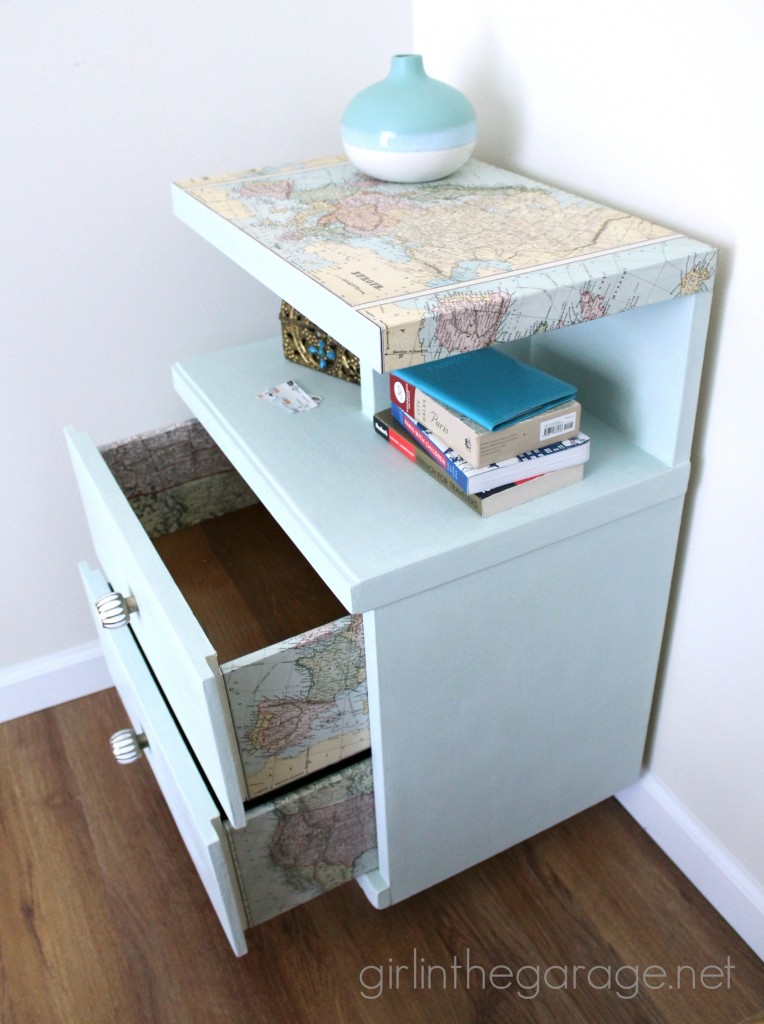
x=547, y=714
x=639, y=371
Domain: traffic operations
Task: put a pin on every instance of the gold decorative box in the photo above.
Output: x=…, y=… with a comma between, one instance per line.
x=307, y=344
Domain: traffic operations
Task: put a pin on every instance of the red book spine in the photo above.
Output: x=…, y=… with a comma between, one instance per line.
x=402, y=394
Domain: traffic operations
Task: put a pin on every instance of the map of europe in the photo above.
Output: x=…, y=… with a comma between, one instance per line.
x=484, y=255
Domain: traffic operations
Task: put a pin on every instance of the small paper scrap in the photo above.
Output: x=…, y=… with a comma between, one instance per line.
x=290, y=396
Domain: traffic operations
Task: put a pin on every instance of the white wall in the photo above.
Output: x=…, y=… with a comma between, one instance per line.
x=657, y=108
x=101, y=288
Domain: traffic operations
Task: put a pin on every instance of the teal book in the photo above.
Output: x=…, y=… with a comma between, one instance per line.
x=489, y=386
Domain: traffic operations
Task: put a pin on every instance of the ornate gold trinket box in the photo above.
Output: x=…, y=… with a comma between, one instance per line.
x=306, y=343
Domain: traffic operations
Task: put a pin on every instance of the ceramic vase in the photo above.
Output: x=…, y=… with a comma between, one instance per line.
x=409, y=127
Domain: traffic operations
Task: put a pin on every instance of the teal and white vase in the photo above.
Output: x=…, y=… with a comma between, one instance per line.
x=409, y=127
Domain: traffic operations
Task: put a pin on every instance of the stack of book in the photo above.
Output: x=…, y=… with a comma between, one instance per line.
x=493, y=430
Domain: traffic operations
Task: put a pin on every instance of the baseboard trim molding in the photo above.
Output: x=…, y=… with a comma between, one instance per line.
x=44, y=682
x=725, y=883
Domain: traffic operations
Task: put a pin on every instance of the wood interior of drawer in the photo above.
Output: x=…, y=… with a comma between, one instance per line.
x=246, y=582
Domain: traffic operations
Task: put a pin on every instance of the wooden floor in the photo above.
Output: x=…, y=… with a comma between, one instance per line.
x=102, y=918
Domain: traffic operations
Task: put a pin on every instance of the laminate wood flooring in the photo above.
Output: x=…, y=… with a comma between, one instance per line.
x=102, y=919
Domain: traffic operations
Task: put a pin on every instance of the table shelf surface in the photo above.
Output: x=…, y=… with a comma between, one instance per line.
x=372, y=523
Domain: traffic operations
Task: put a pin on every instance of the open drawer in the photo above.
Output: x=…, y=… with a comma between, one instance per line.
x=261, y=665
x=301, y=843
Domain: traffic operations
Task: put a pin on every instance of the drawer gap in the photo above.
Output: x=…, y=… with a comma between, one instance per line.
x=247, y=584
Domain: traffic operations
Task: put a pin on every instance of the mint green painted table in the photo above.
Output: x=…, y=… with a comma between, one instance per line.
x=510, y=661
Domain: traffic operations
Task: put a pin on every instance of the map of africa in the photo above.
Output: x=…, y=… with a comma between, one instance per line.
x=306, y=842
x=301, y=705
x=482, y=256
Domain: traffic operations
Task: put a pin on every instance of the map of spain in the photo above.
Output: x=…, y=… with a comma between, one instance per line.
x=301, y=705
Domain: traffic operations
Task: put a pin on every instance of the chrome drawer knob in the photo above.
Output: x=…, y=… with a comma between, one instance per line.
x=114, y=610
x=127, y=746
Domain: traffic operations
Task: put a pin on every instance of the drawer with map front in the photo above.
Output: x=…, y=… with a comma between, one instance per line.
x=295, y=844
x=260, y=663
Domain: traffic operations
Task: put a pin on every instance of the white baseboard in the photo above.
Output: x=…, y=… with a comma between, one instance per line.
x=725, y=883
x=45, y=682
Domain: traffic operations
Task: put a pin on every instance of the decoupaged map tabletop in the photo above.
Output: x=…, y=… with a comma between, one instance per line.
x=484, y=255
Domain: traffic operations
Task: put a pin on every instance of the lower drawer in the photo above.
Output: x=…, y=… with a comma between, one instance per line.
x=293, y=847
